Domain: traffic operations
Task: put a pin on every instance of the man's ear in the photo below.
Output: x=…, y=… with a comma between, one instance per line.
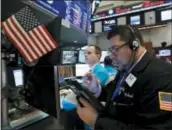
x=98, y=55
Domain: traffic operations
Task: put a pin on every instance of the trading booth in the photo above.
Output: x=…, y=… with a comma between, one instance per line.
x=31, y=90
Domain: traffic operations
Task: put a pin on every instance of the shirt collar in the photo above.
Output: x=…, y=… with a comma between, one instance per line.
x=94, y=66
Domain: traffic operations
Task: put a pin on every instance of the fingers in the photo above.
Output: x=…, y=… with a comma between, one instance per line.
x=84, y=102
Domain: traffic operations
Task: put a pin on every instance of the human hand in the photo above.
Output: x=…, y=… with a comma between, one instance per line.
x=65, y=92
x=91, y=82
x=87, y=113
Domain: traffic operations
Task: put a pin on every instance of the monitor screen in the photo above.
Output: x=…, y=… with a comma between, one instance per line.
x=81, y=56
x=165, y=52
x=69, y=57
x=104, y=54
x=150, y=18
x=135, y=20
x=122, y=21
x=81, y=69
x=108, y=24
x=15, y=76
x=166, y=15
x=98, y=27
x=18, y=77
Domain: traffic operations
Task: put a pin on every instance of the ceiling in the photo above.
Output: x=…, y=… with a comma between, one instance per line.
x=105, y=5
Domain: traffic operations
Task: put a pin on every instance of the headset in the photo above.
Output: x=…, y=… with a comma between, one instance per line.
x=133, y=44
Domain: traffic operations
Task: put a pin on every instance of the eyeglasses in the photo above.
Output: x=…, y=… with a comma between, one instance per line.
x=115, y=48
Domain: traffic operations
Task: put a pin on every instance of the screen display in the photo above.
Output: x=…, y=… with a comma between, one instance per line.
x=135, y=20
x=166, y=15
x=69, y=57
x=81, y=69
x=82, y=56
x=165, y=52
x=98, y=27
x=122, y=21
x=18, y=77
x=104, y=54
x=109, y=24
x=150, y=18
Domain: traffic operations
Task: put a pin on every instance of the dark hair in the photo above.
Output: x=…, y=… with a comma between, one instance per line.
x=126, y=34
x=164, y=44
x=97, y=49
x=108, y=61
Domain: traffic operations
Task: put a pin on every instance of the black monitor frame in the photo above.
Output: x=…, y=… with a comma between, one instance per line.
x=42, y=89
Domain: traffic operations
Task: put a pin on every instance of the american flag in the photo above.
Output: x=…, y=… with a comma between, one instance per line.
x=165, y=100
x=31, y=38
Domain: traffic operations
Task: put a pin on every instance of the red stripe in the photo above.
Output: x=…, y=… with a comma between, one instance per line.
x=14, y=33
x=13, y=42
x=51, y=38
x=44, y=38
x=34, y=41
x=40, y=40
x=29, y=44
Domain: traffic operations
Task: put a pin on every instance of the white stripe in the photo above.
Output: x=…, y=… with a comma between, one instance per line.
x=18, y=43
x=49, y=40
x=22, y=39
x=37, y=41
x=28, y=38
x=43, y=41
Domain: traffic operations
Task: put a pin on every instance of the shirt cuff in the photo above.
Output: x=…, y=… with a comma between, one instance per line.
x=99, y=90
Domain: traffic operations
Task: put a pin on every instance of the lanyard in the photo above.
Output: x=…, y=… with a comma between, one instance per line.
x=119, y=84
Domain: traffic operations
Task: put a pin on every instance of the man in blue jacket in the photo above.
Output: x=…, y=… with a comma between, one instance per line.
x=92, y=56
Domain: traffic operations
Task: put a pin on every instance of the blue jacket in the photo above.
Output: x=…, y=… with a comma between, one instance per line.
x=111, y=71
x=101, y=74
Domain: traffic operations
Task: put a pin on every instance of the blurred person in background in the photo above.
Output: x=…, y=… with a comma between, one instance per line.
x=112, y=71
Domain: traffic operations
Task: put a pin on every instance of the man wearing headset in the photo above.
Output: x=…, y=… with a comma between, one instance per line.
x=141, y=95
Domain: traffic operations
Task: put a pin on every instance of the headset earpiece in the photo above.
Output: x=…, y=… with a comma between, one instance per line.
x=134, y=45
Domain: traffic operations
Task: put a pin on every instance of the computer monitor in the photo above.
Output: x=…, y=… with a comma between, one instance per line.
x=109, y=24
x=42, y=89
x=18, y=77
x=81, y=58
x=166, y=15
x=135, y=20
x=81, y=69
x=150, y=18
x=104, y=54
x=15, y=76
x=69, y=57
x=165, y=52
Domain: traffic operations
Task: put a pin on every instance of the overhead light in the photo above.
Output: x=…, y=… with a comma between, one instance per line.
x=75, y=41
x=98, y=2
x=50, y=1
x=110, y=11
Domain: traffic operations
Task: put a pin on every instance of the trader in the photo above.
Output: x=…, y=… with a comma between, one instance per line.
x=110, y=68
x=92, y=56
x=141, y=97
